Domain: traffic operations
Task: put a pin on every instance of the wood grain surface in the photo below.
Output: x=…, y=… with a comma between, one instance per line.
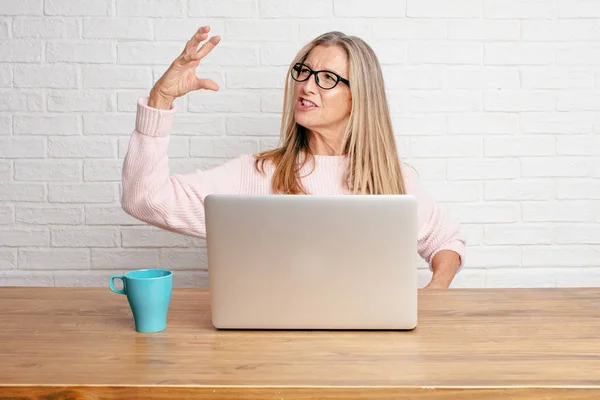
x=79, y=343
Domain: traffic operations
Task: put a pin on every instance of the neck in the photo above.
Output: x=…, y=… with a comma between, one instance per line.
x=326, y=145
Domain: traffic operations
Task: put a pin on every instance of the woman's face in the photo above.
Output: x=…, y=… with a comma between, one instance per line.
x=321, y=110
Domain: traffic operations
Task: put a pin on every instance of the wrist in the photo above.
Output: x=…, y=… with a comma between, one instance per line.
x=441, y=279
x=159, y=101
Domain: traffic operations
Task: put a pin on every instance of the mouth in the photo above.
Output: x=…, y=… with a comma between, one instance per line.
x=306, y=104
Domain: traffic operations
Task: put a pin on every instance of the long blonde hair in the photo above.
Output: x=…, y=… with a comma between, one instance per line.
x=369, y=144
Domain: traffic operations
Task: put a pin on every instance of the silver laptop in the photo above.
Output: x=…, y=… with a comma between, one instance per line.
x=312, y=261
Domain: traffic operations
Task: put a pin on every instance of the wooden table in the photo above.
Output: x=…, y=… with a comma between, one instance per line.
x=78, y=343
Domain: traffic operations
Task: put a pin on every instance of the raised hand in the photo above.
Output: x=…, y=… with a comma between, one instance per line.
x=181, y=78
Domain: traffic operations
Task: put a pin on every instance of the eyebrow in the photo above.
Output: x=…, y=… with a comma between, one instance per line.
x=326, y=69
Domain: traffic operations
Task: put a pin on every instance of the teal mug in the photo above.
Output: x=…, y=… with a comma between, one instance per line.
x=149, y=294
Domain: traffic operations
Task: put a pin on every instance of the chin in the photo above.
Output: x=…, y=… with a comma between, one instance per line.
x=302, y=122
x=305, y=122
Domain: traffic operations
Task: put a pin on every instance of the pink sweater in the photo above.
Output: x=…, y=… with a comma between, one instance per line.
x=175, y=202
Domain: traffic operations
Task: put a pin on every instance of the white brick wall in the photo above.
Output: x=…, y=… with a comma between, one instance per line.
x=495, y=102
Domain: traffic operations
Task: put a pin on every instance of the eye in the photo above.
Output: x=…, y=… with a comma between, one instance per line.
x=330, y=77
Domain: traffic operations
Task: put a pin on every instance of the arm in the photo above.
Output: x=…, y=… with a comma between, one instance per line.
x=440, y=243
x=445, y=265
x=151, y=194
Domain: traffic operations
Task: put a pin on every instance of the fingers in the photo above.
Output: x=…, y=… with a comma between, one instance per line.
x=191, y=52
x=191, y=57
x=208, y=84
x=200, y=35
x=208, y=46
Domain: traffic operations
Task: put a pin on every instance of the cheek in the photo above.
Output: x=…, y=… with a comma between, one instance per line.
x=338, y=104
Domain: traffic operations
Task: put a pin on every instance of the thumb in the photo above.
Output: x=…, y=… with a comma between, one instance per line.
x=207, y=84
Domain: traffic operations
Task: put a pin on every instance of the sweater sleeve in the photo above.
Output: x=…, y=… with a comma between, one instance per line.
x=151, y=194
x=436, y=231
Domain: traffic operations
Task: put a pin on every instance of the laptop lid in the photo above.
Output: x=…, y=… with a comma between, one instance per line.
x=312, y=262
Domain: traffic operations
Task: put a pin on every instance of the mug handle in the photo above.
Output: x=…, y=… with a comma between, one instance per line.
x=111, y=283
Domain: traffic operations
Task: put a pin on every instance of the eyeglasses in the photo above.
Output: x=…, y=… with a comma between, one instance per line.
x=325, y=79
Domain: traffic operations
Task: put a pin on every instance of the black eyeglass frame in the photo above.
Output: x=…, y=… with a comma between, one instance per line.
x=313, y=72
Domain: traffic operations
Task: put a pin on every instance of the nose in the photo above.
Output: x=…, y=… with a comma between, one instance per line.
x=310, y=85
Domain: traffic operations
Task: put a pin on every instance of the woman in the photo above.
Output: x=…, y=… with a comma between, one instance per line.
x=337, y=139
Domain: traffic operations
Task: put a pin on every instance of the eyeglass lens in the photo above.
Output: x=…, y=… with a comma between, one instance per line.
x=324, y=79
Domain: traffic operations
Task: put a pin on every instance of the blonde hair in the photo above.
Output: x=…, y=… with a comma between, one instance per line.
x=369, y=144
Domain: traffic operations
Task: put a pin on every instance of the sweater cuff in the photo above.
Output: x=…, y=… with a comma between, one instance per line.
x=458, y=247
x=153, y=121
